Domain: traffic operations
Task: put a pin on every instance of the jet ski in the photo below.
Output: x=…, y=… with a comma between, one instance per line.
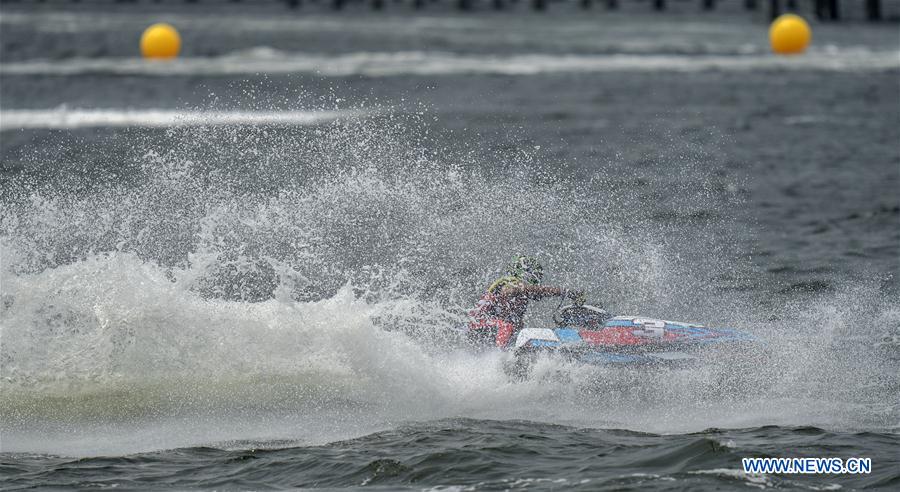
x=590, y=335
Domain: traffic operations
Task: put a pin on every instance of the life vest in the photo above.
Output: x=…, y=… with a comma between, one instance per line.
x=488, y=306
x=489, y=316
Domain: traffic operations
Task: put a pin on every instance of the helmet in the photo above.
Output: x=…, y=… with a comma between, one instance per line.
x=526, y=268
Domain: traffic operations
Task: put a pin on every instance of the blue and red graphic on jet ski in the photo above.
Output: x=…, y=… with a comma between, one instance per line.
x=589, y=334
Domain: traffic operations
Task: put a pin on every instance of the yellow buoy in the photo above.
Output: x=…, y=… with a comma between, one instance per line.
x=789, y=34
x=160, y=41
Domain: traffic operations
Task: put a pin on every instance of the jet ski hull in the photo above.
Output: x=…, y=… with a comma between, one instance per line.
x=626, y=340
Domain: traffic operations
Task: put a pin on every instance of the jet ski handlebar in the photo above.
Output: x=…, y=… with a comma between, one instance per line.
x=580, y=316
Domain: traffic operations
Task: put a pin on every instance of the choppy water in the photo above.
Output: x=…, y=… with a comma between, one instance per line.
x=474, y=455
x=247, y=269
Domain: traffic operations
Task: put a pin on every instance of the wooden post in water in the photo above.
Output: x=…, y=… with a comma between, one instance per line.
x=873, y=10
x=822, y=9
x=833, y=7
x=774, y=9
x=659, y=4
x=827, y=9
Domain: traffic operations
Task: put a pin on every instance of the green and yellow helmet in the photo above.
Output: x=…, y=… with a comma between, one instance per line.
x=526, y=269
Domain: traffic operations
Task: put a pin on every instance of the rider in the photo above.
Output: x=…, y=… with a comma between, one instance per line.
x=501, y=310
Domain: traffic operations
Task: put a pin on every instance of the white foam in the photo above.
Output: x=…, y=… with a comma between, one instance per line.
x=431, y=63
x=139, y=317
x=64, y=118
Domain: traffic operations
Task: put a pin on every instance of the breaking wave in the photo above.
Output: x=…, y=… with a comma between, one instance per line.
x=431, y=63
x=307, y=283
x=69, y=118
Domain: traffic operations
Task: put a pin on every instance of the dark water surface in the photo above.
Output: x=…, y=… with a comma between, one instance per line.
x=466, y=454
x=246, y=269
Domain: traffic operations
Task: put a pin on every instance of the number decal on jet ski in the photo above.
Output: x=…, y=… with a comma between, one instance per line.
x=650, y=328
x=649, y=322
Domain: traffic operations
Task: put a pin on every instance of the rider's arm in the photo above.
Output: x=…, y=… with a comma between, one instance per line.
x=535, y=292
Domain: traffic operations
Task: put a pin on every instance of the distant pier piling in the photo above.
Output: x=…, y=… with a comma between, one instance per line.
x=824, y=10
x=873, y=10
